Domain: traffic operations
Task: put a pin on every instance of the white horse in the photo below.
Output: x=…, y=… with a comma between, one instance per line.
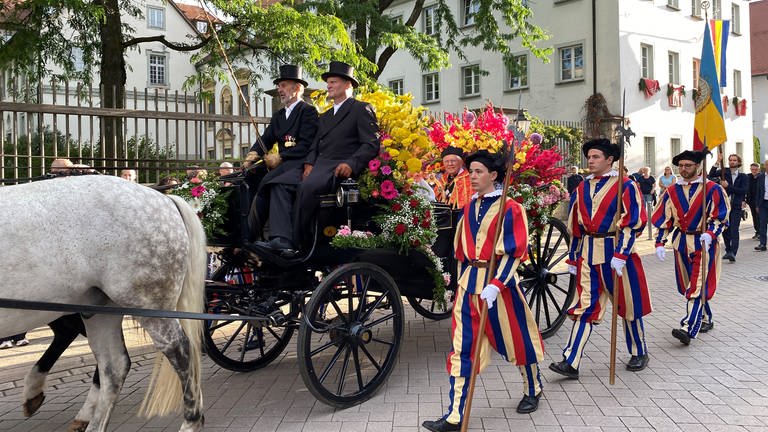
x=101, y=240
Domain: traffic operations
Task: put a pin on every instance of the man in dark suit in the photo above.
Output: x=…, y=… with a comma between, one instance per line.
x=754, y=173
x=347, y=139
x=736, y=185
x=293, y=129
x=761, y=203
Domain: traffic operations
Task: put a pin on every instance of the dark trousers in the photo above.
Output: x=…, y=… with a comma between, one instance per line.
x=14, y=338
x=755, y=218
x=731, y=234
x=281, y=210
x=763, y=210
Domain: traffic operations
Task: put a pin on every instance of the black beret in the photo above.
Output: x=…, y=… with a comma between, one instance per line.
x=451, y=150
x=492, y=161
x=609, y=149
x=690, y=155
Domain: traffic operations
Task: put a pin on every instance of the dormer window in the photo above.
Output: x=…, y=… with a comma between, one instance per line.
x=202, y=26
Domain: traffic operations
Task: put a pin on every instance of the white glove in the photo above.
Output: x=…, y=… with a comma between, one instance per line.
x=618, y=264
x=489, y=294
x=572, y=269
x=706, y=240
x=661, y=253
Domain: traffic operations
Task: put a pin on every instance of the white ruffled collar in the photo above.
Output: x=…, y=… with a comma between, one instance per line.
x=495, y=193
x=611, y=173
x=684, y=182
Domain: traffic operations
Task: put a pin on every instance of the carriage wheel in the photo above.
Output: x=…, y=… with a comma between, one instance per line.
x=427, y=308
x=544, y=278
x=241, y=345
x=350, y=339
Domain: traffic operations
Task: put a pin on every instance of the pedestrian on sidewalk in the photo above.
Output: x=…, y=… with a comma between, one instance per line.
x=736, y=185
x=594, y=257
x=754, y=173
x=678, y=215
x=511, y=329
x=761, y=203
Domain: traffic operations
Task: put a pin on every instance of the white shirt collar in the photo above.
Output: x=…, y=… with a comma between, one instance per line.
x=290, y=108
x=495, y=193
x=684, y=182
x=338, y=105
x=611, y=173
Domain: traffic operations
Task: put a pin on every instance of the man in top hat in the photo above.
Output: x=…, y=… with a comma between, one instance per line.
x=346, y=140
x=736, y=185
x=595, y=255
x=511, y=329
x=453, y=187
x=678, y=214
x=292, y=129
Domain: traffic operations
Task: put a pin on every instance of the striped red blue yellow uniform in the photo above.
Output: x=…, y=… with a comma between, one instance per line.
x=591, y=224
x=678, y=213
x=511, y=329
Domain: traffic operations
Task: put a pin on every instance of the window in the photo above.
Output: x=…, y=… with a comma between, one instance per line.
x=77, y=59
x=696, y=8
x=737, y=83
x=397, y=19
x=396, y=86
x=646, y=54
x=155, y=17
x=201, y=26
x=468, y=10
x=673, y=4
x=740, y=148
x=211, y=154
x=228, y=150
x=209, y=103
x=429, y=19
x=571, y=62
x=518, y=77
x=244, y=149
x=735, y=19
x=226, y=106
x=717, y=9
x=245, y=89
x=696, y=71
x=674, y=67
x=158, y=73
x=650, y=153
x=470, y=80
x=674, y=147
x=431, y=87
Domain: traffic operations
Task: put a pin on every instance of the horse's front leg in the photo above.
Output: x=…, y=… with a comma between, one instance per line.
x=105, y=336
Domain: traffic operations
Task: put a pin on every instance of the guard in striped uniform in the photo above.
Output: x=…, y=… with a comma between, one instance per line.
x=678, y=214
x=594, y=255
x=511, y=329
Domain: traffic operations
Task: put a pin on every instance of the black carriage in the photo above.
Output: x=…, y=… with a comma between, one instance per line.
x=346, y=304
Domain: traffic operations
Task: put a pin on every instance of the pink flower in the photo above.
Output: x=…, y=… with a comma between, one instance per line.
x=195, y=180
x=386, y=170
x=385, y=156
x=344, y=231
x=387, y=186
x=374, y=165
x=197, y=191
x=389, y=194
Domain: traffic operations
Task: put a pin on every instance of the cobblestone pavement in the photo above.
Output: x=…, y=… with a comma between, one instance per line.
x=719, y=383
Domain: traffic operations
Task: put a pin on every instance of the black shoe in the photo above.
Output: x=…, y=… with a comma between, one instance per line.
x=727, y=255
x=637, y=363
x=756, y=237
x=252, y=345
x=732, y=257
x=282, y=247
x=706, y=326
x=441, y=425
x=528, y=404
x=563, y=368
x=760, y=248
x=682, y=336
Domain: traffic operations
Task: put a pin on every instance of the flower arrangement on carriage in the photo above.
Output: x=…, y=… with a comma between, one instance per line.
x=207, y=199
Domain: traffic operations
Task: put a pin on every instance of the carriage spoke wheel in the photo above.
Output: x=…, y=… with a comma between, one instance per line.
x=427, y=307
x=349, y=342
x=241, y=345
x=544, y=278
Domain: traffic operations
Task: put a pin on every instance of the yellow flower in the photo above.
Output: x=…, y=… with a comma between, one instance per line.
x=414, y=165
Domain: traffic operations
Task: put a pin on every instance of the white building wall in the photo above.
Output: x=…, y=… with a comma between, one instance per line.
x=760, y=113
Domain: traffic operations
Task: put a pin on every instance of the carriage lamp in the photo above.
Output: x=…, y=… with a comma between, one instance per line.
x=520, y=126
x=347, y=193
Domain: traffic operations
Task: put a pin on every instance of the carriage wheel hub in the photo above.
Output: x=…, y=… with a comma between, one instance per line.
x=360, y=334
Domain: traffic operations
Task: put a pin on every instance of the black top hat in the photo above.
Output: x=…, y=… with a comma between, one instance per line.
x=290, y=73
x=492, y=161
x=341, y=69
x=693, y=156
x=451, y=150
x=609, y=149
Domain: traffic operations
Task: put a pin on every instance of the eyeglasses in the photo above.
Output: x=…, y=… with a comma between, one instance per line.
x=686, y=165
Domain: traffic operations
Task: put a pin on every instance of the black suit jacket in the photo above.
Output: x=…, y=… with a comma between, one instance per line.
x=349, y=136
x=301, y=125
x=760, y=194
x=737, y=190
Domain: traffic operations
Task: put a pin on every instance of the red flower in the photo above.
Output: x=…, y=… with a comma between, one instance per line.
x=425, y=223
x=400, y=229
x=427, y=214
x=415, y=220
x=414, y=203
x=519, y=199
x=375, y=193
x=396, y=207
x=415, y=243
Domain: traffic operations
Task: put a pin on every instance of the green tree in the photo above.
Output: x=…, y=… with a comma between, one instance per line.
x=26, y=152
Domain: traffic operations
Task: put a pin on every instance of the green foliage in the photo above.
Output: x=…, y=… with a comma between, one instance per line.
x=144, y=150
x=552, y=133
x=756, y=150
x=26, y=153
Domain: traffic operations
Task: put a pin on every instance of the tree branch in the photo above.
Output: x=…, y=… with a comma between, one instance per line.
x=415, y=13
x=383, y=59
x=164, y=41
x=384, y=4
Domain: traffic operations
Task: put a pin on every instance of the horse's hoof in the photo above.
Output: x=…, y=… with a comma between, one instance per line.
x=77, y=426
x=32, y=405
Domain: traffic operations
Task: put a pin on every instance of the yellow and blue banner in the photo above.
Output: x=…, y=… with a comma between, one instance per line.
x=708, y=124
x=720, y=30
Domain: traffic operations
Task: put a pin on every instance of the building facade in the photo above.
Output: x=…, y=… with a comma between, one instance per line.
x=607, y=49
x=758, y=18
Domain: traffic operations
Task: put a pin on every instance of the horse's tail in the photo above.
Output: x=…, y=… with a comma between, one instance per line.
x=165, y=395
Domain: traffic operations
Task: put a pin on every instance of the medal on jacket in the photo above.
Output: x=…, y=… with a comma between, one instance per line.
x=289, y=141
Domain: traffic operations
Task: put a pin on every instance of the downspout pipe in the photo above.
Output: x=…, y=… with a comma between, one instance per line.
x=594, y=47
